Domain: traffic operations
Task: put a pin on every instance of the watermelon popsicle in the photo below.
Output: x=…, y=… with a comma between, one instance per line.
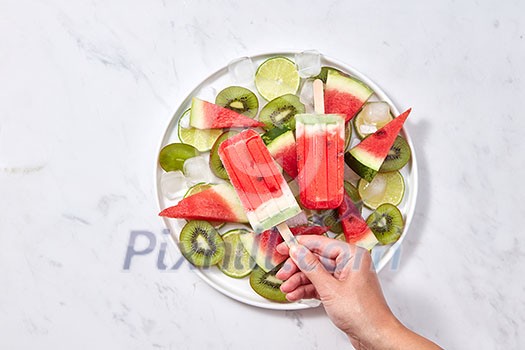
x=320, y=148
x=262, y=189
x=320, y=159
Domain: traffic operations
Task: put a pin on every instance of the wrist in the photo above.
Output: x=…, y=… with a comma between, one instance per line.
x=384, y=333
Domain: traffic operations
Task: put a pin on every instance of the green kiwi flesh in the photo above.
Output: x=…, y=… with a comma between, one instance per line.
x=238, y=99
x=397, y=157
x=201, y=244
x=280, y=112
x=216, y=165
x=267, y=285
x=387, y=223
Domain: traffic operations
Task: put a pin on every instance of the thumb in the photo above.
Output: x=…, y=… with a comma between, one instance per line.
x=310, y=265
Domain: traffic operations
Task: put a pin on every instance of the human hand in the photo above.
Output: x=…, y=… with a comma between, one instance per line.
x=342, y=276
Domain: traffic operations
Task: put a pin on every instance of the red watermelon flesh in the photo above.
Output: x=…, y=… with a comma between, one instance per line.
x=355, y=229
x=373, y=150
x=206, y=115
x=262, y=246
x=344, y=94
x=217, y=203
x=284, y=150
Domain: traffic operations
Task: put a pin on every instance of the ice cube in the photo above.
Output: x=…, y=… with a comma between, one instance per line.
x=242, y=71
x=197, y=169
x=306, y=95
x=367, y=129
x=173, y=184
x=377, y=112
x=375, y=190
x=308, y=63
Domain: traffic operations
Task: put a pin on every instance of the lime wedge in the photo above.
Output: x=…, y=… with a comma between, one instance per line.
x=384, y=188
x=275, y=77
x=237, y=262
x=202, y=140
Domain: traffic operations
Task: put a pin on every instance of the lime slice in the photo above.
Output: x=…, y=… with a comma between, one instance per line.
x=237, y=262
x=173, y=156
x=384, y=188
x=202, y=140
x=372, y=117
x=275, y=77
x=201, y=186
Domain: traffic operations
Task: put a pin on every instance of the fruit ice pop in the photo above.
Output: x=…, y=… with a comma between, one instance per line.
x=320, y=152
x=263, y=191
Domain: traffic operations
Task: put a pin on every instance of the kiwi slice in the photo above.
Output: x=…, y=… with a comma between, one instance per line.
x=387, y=223
x=267, y=285
x=397, y=157
x=280, y=112
x=201, y=244
x=238, y=99
x=331, y=220
x=348, y=135
x=173, y=156
x=216, y=165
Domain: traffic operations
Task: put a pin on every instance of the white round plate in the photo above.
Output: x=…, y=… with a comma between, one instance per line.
x=239, y=289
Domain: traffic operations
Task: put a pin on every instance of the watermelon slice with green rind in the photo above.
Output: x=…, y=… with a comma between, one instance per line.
x=355, y=229
x=367, y=157
x=262, y=246
x=217, y=203
x=344, y=94
x=207, y=115
x=284, y=150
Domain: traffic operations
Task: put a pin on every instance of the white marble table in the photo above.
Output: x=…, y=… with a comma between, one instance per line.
x=87, y=88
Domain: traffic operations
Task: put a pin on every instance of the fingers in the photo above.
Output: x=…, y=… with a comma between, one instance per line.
x=321, y=245
x=308, y=263
x=294, y=282
x=287, y=270
x=307, y=291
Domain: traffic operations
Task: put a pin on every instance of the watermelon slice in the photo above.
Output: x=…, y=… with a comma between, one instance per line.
x=217, y=203
x=284, y=150
x=366, y=158
x=355, y=229
x=262, y=246
x=344, y=94
x=206, y=115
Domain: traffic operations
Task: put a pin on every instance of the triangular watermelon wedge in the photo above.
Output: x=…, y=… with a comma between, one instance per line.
x=344, y=94
x=366, y=158
x=262, y=246
x=283, y=149
x=217, y=203
x=355, y=229
x=206, y=115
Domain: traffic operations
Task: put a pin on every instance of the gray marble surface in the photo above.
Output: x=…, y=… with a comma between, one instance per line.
x=87, y=88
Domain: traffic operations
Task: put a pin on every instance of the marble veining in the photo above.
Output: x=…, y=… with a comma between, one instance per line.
x=88, y=88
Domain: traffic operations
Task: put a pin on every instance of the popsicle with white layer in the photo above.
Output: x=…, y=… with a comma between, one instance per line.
x=262, y=189
x=320, y=156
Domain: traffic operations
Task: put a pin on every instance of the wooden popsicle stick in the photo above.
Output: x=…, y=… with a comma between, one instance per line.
x=318, y=96
x=286, y=234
